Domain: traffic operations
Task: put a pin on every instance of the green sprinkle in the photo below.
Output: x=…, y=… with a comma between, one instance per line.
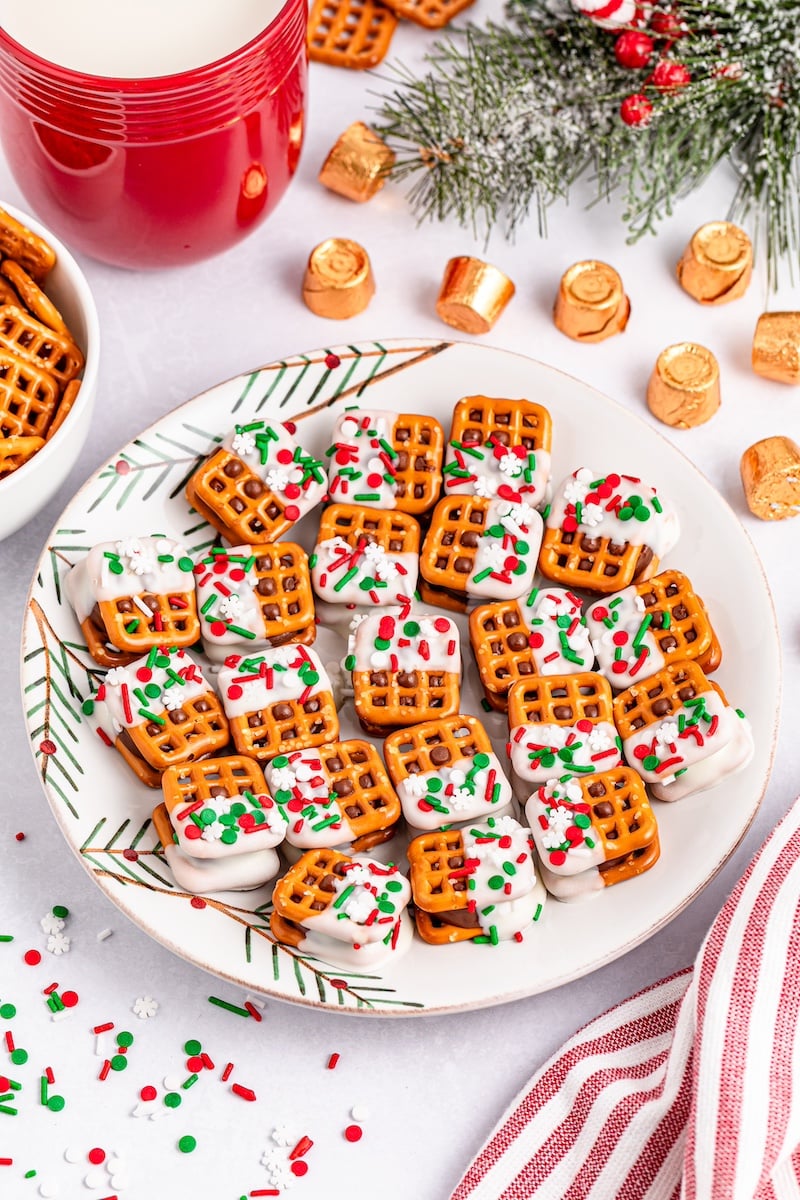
x=56, y=1103
x=172, y=1100
x=187, y=1143
x=496, y=882
x=340, y=899
x=482, y=575
x=192, y=1047
x=324, y=824
x=494, y=937
x=8, y=1011
x=132, y=626
x=245, y=633
x=656, y=503
x=350, y=662
x=187, y=1083
x=240, y=1012
x=366, y=497
x=6, y=937
x=337, y=587
x=650, y=762
x=19, y=1057
x=119, y=1062
x=210, y=602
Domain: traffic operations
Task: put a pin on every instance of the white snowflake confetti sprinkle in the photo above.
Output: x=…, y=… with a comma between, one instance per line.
x=243, y=443
x=58, y=943
x=230, y=607
x=51, y=923
x=145, y=1006
x=281, y=1136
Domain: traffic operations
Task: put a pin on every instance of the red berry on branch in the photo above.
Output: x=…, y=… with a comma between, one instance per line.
x=665, y=22
x=670, y=76
x=636, y=110
x=633, y=49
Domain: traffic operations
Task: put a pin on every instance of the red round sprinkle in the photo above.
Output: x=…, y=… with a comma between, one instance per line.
x=441, y=625
x=197, y=902
x=292, y=491
x=246, y=821
x=191, y=832
x=290, y=426
x=619, y=666
x=640, y=752
x=96, y=1156
x=558, y=858
x=131, y=855
x=295, y=805
x=354, y=1133
x=569, y=524
x=613, y=481
x=5, y=1083
x=122, y=467
x=604, y=491
x=299, y=1167
x=32, y=958
x=234, y=692
x=584, y=725
x=600, y=613
x=620, y=637
x=291, y=512
x=284, y=456
x=148, y=1092
x=20, y=836
x=220, y=565
x=194, y=1063
x=144, y=674
x=535, y=641
x=331, y=361
x=236, y=575
x=217, y=628
x=342, y=457
x=199, y=569
x=573, y=834
x=48, y=746
x=510, y=563
x=69, y=999
x=374, y=481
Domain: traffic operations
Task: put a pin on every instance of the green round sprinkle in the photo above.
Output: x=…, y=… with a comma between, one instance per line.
x=650, y=762
x=350, y=662
x=411, y=628
x=283, y=796
x=394, y=885
x=193, y=1047
x=19, y=1057
x=519, y=569
x=495, y=531
x=172, y=1099
x=625, y=514
x=642, y=513
x=207, y=816
x=116, y=568
x=386, y=906
x=229, y=837
x=185, y=564
x=124, y=1038
x=56, y=1103
x=564, y=621
x=87, y=708
x=152, y=690
x=310, y=678
x=480, y=760
x=382, y=643
x=238, y=809
x=61, y=911
x=582, y=820
x=227, y=819
x=521, y=547
x=635, y=501
x=8, y=1011
x=434, y=785
x=496, y=882
x=187, y=1143
x=119, y=1062
x=367, y=583
x=281, y=761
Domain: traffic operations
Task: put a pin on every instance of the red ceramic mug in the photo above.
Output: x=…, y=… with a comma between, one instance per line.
x=152, y=172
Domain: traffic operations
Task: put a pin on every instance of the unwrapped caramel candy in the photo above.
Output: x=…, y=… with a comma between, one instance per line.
x=717, y=265
x=473, y=294
x=591, y=304
x=776, y=347
x=357, y=165
x=338, y=281
x=771, y=478
x=683, y=390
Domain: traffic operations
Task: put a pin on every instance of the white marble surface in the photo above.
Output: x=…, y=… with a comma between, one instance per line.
x=431, y=1087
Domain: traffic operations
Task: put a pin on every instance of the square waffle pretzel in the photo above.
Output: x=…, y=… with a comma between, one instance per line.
x=560, y=700
x=417, y=444
x=624, y=820
x=688, y=632
x=397, y=532
x=190, y=782
x=279, y=579
x=433, y=744
x=28, y=397
x=500, y=641
x=448, y=552
x=124, y=624
x=481, y=419
x=286, y=724
x=363, y=791
x=349, y=33
x=195, y=730
x=303, y=891
x=431, y=14
x=228, y=794
x=600, y=565
x=660, y=695
x=15, y=450
x=219, y=491
x=29, y=339
x=386, y=700
x=439, y=885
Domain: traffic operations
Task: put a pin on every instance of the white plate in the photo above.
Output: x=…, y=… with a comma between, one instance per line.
x=104, y=813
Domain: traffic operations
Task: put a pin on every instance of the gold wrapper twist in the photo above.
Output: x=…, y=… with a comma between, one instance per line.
x=473, y=294
x=776, y=347
x=338, y=281
x=717, y=265
x=771, y=478
x=683, y=390
x=591, y=304
x=357, y=164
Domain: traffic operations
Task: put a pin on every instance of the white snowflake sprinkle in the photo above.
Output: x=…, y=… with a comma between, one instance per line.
x=243, y=443
x=58, y=943
x=511, y=465
x=281, y=1136
x=51, y=923
x=231, y=606
x=144, y=1007
x=277, y=481
x=667, y=733
x=485, y=487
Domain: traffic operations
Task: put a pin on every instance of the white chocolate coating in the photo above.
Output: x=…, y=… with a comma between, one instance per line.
x=502, y=883
x=571, y=888
x=251, y=684
x=511, y=534
x=229, y=834
x=619, y=617
x=357, y=438
x=301, y=782
x=367, y=902
x=333, y=559
x=560, y=639
x=482, y=470
x=228, y=597
x=674, y=743
x=368, y=954
x=434, y=646
x=129, y=696
x=455, y=794
x=708, y=773
x=238, y=873
x=598, y=518
x=128, y=567
x=544, y=751
x=277, y=458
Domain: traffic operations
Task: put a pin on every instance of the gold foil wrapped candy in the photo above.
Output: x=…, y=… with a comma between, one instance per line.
x=771, y=478
x=776, y=347
x=684, y=387
x=338, y=281
x=357, y=165
x=591, y=304
x=717, y=265
x=473, y=294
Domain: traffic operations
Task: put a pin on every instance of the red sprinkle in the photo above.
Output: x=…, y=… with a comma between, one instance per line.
x=299, y=1168
x=148, y=1092
x=32, y=958
x=96, y=1156
x=49, y=1075
x=302, y=1147
x=354, y=1133
x=226, y=1073
x=20, y=837
x=251, y=1008
x=103, y=1028
x=197, y=902
x=245, y=1092
x=104, y=1070
x=332, y=1061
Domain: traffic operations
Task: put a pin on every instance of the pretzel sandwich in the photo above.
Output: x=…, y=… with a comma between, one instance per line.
x=203, y=876
x=132, y=595
x=496, y=442
x=482, y=549
x=544, y=634
x=252, y=596
x=446, y=773
x=158, y=711
x=679, y=732
x=475, y=884
x=278, y=701
x=348, y=911
x=385, y=460
x=559, y=725
x=257, y=484
x=604, y=532
x=365, y=557
x=336, y=795
x=404, y=670
x=593, y=832
x=637, y=631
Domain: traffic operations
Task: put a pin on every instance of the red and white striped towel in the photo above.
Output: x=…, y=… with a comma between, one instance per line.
x=690, y=1088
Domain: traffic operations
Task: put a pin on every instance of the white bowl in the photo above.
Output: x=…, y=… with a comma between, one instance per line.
x=28, y=489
